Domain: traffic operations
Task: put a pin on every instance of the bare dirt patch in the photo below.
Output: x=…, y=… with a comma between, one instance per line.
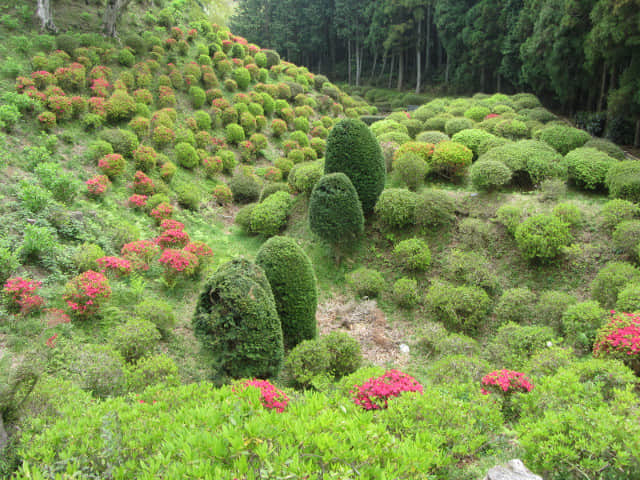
x=379, y=339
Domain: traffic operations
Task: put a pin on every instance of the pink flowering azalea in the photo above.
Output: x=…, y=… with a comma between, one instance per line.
x=620, y=338
x=374, y=394
x=271, y=397
x=85, y=293
x=119, y=266
x=21, y=295
x=506, y=382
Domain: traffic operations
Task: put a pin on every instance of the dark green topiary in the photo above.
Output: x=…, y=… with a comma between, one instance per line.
x=293, y=283
x=237, y=321
x=353, y=150
x=335, y=213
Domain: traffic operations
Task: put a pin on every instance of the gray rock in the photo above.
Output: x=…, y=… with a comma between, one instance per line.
x=3, y=435
x=514, y=470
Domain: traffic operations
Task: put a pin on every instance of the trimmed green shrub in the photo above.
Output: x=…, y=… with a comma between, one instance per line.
x=551, y=305
x=405, y=292
x=270, y=216
x=308, y=362
x=432, y=136
x=458, y=308
x=344, y=353
x=618, y=210
x=477, y=113
x=158, y=312
x=186, y=155
x=412, y=254
x=353, y=150
x=580, y=323
x=366, y=282
x=509, y=216
x=612, y=279
x=451, y=160
x=197, y=96
x=234, y=133
x=513, y=345
x=471, y=268
x=135, y=339
x=243, y=217
x=86, y=255
x=271, y=188
x=152, y=370
x=245, y=189
x=120, y=106
x=293, y=283
x=123, y=142
x=606, y=146
x=335, y=212
x=569, y=213
x=588, y=167
x=188, y=196
x=457, y=124
x=410, y=169
x=472, y=138
x=434, y=209
x=303, y=176
x=623, y=180
x=629, y=299
x=541, y=237
x=237, y=322
x=563, y=138
x=489, y=175
x=387, y=125
x=626, y=237
x=516, y=305
x=396, y=207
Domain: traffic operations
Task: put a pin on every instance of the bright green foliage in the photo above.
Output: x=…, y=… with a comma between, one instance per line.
x=335, y=212
x=626, y=237
x=606, y=146
x=269, y=217
x=477, y=113
x=197, y=96
x=434, y=208
x=303, y=176
x=135, y=339
x=472, y=138
x=588, y=167
x=158, y=312
x=86, y=255
x=120, y=106
x=405, y=292
x=462, y=308
x=293, y=283
x=612, y=279
x=353, y=150
x=580, y=322
x=307, y=362
x=542, y=236
x=489, y=175
x=366, y=282
x=8, y=263
x=516, y=305
x=569, y=213
x=412, y=254
x=344, y=353
x=237, y=322
x=396, y=207
x=451, y=160
x=514, y=344
x=432, y=136
x=471, y=268
x=563, y=138
x=629, y=299
x=123, y=142
x=551, y=305
x=623, y=180
x=234, y=133
x=509, y=216
x=152, y=370
x=411, y=169
x=618, y=210
x=186, y=155
x=457, y=124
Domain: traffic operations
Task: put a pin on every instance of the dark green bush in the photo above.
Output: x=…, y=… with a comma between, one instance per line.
x=489, y=175
x=245, y=189
x=516, y=305
x=344, y=353
x=135, y=339
x=471, y=268
x=623, y=180
x=405, y=292
x=412, y=254
x=270, y=217
x=606, y=146
x=410, y=169
x=618, y=210
x=293, y=283
x=563, y=138
x=353, y=150
x=514, y=344
x=123, y=142
x=434, y=209
x=610, y=280
x=459, y=308
x=366, y=282
x=237, y=322
x=629, y=299
x=626, y=237
x=580, y=323
x=588, y=167
x=335, y=212
x=541, y=237
x=396, y=207
x=551, y=305
x=307, y=363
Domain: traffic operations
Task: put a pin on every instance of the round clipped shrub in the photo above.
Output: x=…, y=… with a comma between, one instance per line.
x=457, y=124
x=569, y=213
x=120, y=106
x=237, y=322
x=606, y=146
x=541, y=237
x=303, y=176
x=157, y=311
x=335, y=212
x=186, y=155
x=412, y=254
x=396, y=207
x=434, y=208
x=563, y=138
x=451, y=159
x=588, y=167
x=515, y=344
x=618, y=210
x=234, y=133
x=270, y=216
x=580, y=322
x=410, y=169
x=611, y=280
x=471, y=268
x=472, y=138
x=489, y=175
x=551, y=305
x=516, y=305
x=626, y=237
x=123, y=142
x=293, y=283
x=629, y=299
x=152, y=370
x=405, y=292
x=307, y=362
x=623, y=180
x=344, y=353
x=242, y=77
x=245, y=189
x=135, y=339
x=463, y=308
x=477, y=113
x=353, y=150
x=366, y=282
x=432, y=136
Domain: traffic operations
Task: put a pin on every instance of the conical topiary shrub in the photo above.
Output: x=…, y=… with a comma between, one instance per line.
x=353, y=150
x=237, y=321
x=293, y=283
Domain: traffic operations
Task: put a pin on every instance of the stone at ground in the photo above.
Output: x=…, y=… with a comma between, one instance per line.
x=513, y=470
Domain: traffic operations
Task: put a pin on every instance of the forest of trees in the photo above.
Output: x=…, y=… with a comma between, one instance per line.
x=579, y=54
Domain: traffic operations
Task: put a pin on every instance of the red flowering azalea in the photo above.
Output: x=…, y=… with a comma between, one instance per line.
x=85, y=293
x=162, y=212
x=620, y=338
x=178, y=263
x=21, y=295
x=142, y=184
x=97, y=186
x=374, y=394
x=506, y=382
x=170, y=224
x=118, y=266
x=140, y=253
x=271, y=397
x=173, y=238
x=55, y=316
x=137, y=200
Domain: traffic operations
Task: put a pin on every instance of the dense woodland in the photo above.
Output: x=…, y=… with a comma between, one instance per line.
x=578, y=55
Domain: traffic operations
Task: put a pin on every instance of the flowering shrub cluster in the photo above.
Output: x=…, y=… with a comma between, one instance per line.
x=162, y=212
x=21, y=295
x=142, y=184
x=112, y=164
x=173, y=239
x=171, y=224
x=178, y=263
x=121, y=267
x=506, y=382
x=55, y=316
x=137, y=201
x=100, y=87
x=140, y=253
x=620, y=338
x=374, y=394
x=97, y=186
x=271, y=397
x=86, y=292
x=47, y=120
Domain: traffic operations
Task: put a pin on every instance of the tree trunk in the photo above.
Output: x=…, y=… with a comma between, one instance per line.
x=428, y=42
x=446, y=72
x=349, y=60
x=498, y=82
x=112, y=14
x=400, y=70
x=384, y=64
x=4, y=438
x=358, y=64
x=636, y=140
x=418, y=59
x=375, y=63
x=45, y=15
x=391, y=70
x=603, y=84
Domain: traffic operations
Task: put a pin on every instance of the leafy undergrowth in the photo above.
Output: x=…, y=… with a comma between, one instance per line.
x=492, y=247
